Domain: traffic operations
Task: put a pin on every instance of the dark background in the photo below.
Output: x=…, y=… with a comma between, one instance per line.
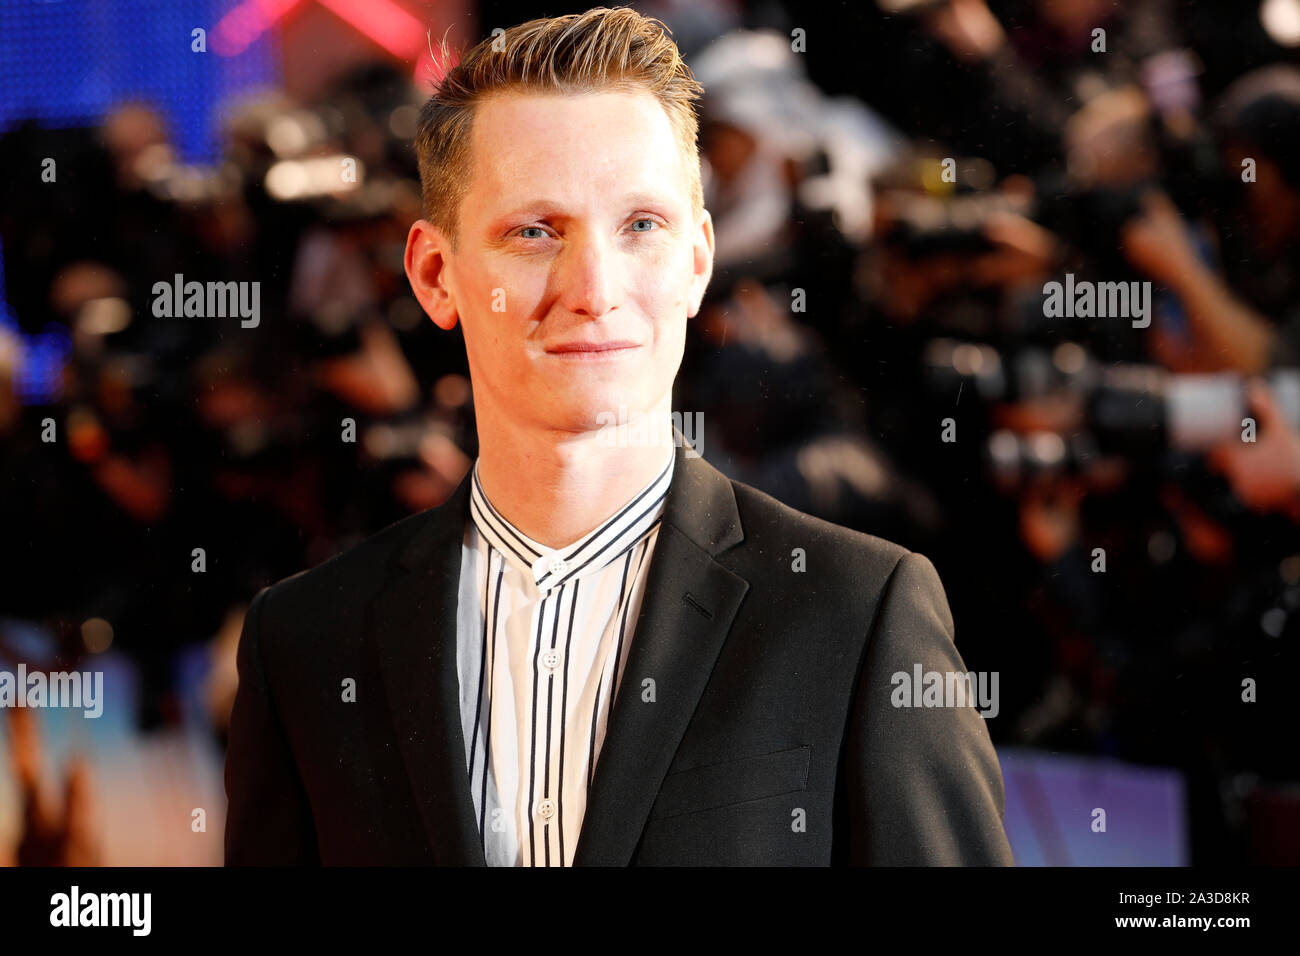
x=921, y=300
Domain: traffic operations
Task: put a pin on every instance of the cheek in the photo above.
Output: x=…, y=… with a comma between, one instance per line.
x=497, y=301
x=667, y=286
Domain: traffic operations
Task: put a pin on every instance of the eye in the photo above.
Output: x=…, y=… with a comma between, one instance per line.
x=521, y=232
x=644, y=219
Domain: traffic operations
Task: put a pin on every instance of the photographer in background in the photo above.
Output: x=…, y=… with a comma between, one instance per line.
x=1265, y=473
x=1247, y=320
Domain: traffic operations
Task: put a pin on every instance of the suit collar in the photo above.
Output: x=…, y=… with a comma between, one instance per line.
x=690, y=602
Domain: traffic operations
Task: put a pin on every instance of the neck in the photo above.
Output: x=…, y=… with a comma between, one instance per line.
x=556, y=486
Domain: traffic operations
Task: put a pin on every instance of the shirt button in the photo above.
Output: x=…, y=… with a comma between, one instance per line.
x=551, y=660
x=546, y=809
x=558, y=566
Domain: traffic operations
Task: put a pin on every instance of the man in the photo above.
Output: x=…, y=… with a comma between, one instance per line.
x=599, y=650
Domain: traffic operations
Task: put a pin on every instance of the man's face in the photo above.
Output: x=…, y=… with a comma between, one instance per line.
x=577, y=230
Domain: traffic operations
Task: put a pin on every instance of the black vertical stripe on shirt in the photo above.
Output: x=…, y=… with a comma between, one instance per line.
x=595, y=707
x=532, y=739
x=620, y=659
x=492, y=666
x=478, y=706
x=564, y=710
x=621, y=613
x=550, y=721
x=591, y=741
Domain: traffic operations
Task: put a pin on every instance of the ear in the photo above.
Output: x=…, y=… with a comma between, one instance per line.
x=426, y=268
x=702, y=269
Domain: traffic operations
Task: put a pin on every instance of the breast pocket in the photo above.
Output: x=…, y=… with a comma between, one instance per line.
x=731, y=782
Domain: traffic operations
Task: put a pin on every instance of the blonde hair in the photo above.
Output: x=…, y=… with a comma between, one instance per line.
x=602, y=50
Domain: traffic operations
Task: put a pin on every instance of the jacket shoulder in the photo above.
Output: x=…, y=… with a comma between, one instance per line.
x=763, y=516
x=773, y=526
x=353, y=573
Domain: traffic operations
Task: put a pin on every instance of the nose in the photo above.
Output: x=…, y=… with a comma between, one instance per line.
x=589, y=276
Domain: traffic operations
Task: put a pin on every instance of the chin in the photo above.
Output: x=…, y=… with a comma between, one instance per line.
x=598, y=409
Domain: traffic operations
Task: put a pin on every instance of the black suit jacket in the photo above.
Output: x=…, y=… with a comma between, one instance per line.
x=770, y=738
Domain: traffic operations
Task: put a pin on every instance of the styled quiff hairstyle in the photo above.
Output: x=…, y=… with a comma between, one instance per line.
x=602, y=50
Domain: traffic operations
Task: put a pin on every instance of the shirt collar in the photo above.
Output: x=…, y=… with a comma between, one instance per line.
x=551, y=567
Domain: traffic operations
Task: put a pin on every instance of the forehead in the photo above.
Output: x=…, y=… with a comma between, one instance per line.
x=573, y=148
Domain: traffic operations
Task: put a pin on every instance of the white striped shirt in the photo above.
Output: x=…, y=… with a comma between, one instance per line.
x=542, y=639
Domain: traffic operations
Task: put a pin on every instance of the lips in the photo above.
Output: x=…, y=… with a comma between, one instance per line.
x=586, y=347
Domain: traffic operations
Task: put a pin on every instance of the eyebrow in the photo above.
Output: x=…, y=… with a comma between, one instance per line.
x=551, y=207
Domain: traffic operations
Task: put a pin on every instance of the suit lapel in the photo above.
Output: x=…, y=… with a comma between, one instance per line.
x=690, y=602
x=414, y=627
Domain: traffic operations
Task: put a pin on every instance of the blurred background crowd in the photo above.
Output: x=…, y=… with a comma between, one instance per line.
x=892, y=183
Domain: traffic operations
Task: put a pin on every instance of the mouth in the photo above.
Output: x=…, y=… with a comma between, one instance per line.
x=591, y=351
